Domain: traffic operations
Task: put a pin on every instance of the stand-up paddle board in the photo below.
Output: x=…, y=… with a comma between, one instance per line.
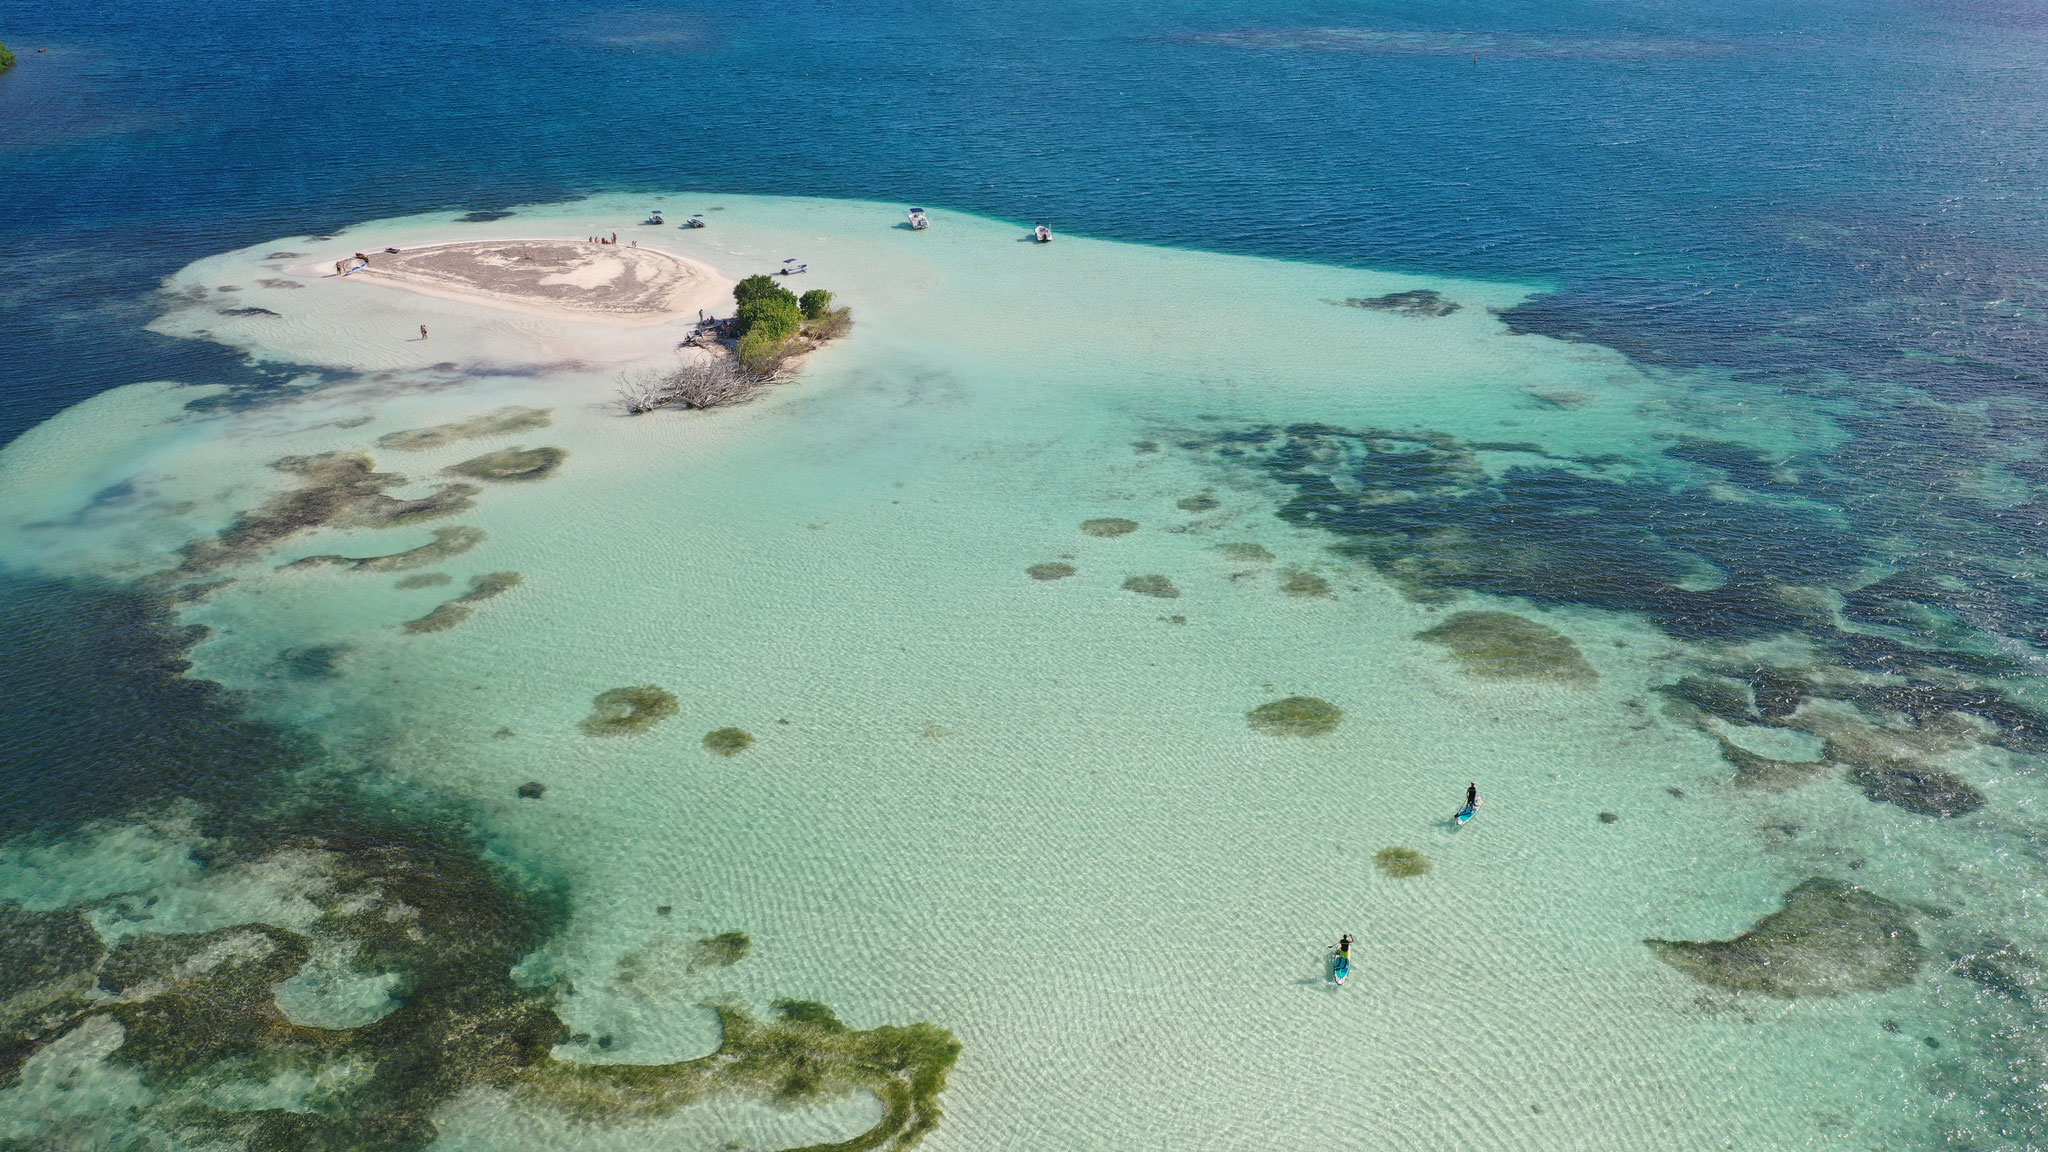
x=1466, y=813
x=1343, y=966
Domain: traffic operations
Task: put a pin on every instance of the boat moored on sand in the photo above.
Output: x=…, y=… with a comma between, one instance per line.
x=1042, y=233
x=918, y=220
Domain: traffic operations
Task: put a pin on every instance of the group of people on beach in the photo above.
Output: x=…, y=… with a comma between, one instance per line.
x=613, y=239
x=1343, y=965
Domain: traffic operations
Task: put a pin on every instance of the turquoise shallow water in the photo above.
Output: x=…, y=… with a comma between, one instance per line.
x=1033, y=811
x=1756, y=427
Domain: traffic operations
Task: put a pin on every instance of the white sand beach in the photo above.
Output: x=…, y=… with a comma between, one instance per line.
x=566, y=279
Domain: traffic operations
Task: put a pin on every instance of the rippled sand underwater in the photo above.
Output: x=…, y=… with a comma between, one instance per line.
x=1097, y=617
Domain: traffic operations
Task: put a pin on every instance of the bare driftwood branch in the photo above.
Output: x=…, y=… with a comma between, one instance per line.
x=700, y=382
x=708, y=383
x=640, y=391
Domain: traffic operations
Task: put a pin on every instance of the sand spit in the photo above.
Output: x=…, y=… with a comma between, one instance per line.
x=571, y=280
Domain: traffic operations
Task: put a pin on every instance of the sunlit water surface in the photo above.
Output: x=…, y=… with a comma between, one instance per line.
x=1741, y=439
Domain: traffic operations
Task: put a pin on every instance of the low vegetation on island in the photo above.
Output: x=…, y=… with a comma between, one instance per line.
x=6, y=58
x=771, y=329
x=776, y=324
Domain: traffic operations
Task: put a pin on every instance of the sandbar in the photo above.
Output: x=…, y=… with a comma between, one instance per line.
x=566, y=279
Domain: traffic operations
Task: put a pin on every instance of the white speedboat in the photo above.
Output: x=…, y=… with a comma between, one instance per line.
x=1042, y=233
x=918, y=220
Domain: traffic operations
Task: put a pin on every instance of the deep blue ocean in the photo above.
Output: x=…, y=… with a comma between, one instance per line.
x=1787, y=189
x=1835, y=201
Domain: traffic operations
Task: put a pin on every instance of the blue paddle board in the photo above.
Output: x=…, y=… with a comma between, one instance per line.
x=1343, y=968
x=1466, y=813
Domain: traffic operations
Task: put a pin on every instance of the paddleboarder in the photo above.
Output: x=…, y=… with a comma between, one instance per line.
x=1472, y=803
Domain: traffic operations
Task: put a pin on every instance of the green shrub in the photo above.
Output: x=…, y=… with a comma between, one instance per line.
x=755, y=287
x=815, y=303
x=830, y=326
x=6, y=58
x=759, y=352
x=779, y=316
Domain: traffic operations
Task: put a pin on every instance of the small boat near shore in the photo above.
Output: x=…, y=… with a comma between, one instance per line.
x=1042, y=233
x=918, y=221
x=654, y=217
x=696, y=221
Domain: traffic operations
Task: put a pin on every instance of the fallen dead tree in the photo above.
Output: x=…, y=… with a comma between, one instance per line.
x=699, y=382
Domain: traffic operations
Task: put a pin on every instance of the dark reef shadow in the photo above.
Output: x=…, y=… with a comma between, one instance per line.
x=98, y=719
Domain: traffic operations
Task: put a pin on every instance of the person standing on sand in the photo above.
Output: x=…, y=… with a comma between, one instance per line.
x=423, y=331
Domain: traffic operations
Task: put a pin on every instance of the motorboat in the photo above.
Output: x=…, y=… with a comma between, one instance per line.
x=918, y=220
x=654, y=217
x=791, y=268
x=1042, y=233
x=696, y=221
